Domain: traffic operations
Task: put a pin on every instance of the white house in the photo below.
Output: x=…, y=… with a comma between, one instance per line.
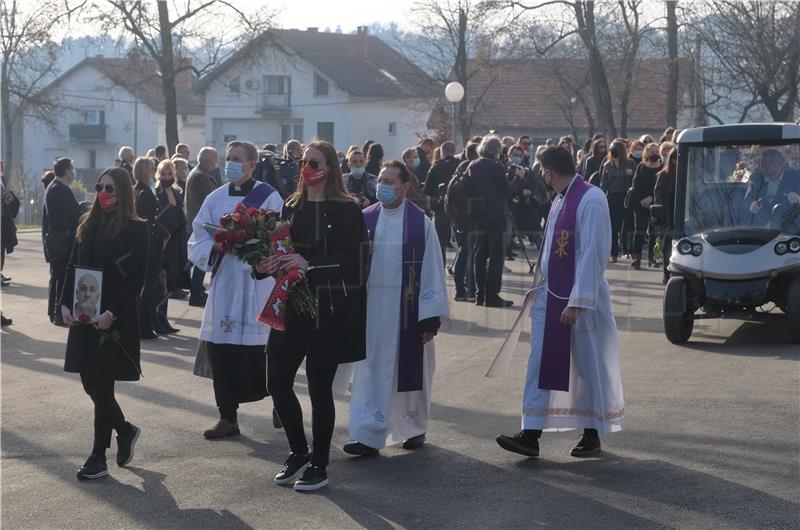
x=108, y=103
x=306, y=85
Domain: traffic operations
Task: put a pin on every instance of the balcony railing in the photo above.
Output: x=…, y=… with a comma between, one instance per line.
x=82, y=132
x=275, y=105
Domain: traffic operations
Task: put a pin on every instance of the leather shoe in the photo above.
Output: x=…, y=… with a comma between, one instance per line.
x=588, y=445
x=519, y=443
x=498, y=302
x=359, y=449
x=222, y=429
x=415, y=443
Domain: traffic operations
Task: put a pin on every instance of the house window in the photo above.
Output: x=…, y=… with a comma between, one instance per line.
x=393, y=128
x=228, y=138
x=325, y=131
x=291, y=131
x=235, y=85
x=277, y=85
x=320, y=85
x=94, y=117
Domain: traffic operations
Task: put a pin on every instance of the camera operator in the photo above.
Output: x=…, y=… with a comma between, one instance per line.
x=436, y=186
x=527, y=196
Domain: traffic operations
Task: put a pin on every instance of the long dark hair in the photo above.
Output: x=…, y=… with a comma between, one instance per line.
x=125, y=209
x=335, y=188
x=375, y=152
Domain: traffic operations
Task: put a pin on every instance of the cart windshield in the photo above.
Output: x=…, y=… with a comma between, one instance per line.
x=743, y=186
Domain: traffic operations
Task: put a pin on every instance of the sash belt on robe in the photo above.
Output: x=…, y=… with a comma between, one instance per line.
x=411, y=349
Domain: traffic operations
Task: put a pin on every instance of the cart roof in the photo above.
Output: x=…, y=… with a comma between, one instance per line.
x=741, y=132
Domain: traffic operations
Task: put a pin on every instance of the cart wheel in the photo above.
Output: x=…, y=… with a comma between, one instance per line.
x=678, y=321
x=793, y=311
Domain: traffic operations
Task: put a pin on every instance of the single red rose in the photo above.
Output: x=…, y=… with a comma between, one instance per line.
x=84, y=319
x=240, y=208
x=252, y=212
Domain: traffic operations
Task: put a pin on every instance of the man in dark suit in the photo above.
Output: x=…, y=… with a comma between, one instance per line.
x=773, y=191
x=200, y=182
x=441, y=173
x=62, y=214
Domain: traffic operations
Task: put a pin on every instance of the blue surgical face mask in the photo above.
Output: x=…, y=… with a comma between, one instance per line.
x=233, y=171
x=357, y=171
x=637, y=154
x=415, y=163
x=386, y=193
x=516, y=160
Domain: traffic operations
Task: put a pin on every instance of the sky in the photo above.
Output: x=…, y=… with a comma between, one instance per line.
x=349, y=14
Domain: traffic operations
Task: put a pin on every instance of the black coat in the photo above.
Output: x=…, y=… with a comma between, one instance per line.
x=124, y=263
x=644, y=185
x=62, y=213
x=173, y=219
x=424, y=165
x=440, y=173
x=329, y=233
x=488, y=194
x=148, y=209
x=664, y=195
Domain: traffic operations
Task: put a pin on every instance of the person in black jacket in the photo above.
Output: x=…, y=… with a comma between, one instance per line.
x=643, y=187
x=173, y=219
x=62, y=213
x=488, y=194
x=664, y=194
x=528, y=194
x=592, y=161
x=616, y=175
x=374, y=156
x=330, y=236
x=106, y=349
x=435, y=184
x=147, y=208
x=424, y=153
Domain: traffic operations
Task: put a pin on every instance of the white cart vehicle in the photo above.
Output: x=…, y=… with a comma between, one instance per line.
x=736, y=237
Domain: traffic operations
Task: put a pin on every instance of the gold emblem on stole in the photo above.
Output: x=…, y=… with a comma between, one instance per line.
x=562, y=241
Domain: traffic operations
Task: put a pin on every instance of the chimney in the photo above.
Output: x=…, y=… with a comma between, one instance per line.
x=362, y=33
x=312, y=30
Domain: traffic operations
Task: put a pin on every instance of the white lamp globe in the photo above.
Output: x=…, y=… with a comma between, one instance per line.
x=454, y=92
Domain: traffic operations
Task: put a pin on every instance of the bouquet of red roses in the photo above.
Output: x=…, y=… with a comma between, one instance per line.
x=251, y=234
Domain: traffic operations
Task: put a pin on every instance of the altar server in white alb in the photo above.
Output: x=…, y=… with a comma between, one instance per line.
x=406, y=300
x=573, y=378
x=235, y=339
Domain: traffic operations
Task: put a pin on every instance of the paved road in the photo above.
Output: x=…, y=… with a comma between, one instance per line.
x=712, y=438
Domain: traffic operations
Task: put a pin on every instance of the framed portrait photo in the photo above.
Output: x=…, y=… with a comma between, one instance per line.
x=88, y=294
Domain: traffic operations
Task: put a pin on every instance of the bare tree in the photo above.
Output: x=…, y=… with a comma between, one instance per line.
x=756, y=47
x=672, y=65
x=455, y=39
x=30, y=58
x=175, y=30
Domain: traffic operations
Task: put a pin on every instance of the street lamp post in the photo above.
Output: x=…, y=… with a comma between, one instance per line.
x=454, y=92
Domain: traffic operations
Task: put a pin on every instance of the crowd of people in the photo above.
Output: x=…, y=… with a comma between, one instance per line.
x=371, y=238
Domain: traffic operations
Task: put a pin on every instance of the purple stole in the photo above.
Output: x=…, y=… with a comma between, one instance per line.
x=409, y=366
x=554, y=370
x=254, y=199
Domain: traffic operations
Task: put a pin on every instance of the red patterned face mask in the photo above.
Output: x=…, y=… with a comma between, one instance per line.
x=311, y=176
x=108, y=201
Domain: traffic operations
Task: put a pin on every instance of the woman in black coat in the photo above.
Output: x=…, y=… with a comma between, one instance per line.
x=147, y=208
x=616, y=175
x=173, y=219
x=330, y=236
x=664, y=195
x=105, y=349
x=644, y=183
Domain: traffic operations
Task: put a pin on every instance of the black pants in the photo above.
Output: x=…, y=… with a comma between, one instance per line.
x=283, y=362
x=240, y=376
x=107, y=413
x=489, y=247
x=58, y=270
x=642, y=222
x=616, y=207
x=151, y=296
x=628, y=227
x=442, y=225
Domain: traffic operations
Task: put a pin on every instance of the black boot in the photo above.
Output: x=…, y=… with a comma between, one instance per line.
x=588, y=445
x=524, y=443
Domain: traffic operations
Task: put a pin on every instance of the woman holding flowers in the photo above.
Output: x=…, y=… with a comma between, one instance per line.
x=330, y=238
x=105, y=349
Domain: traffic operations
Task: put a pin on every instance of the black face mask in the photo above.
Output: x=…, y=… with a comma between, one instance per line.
x=614, y=152
x=167, y=183
x=654, y=158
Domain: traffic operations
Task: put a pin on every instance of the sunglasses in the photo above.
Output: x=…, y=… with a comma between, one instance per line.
x=108, y=187
x=312, y=163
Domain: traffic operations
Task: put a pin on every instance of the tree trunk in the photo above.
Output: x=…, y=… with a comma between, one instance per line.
x=462, y=76
x=601, y=94
x=7, y=151
x=167, y=64
x=672, y=65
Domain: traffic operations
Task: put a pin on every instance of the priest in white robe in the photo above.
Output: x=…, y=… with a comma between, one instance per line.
x=232, y=337
x=406, y=300
x=573, y=379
